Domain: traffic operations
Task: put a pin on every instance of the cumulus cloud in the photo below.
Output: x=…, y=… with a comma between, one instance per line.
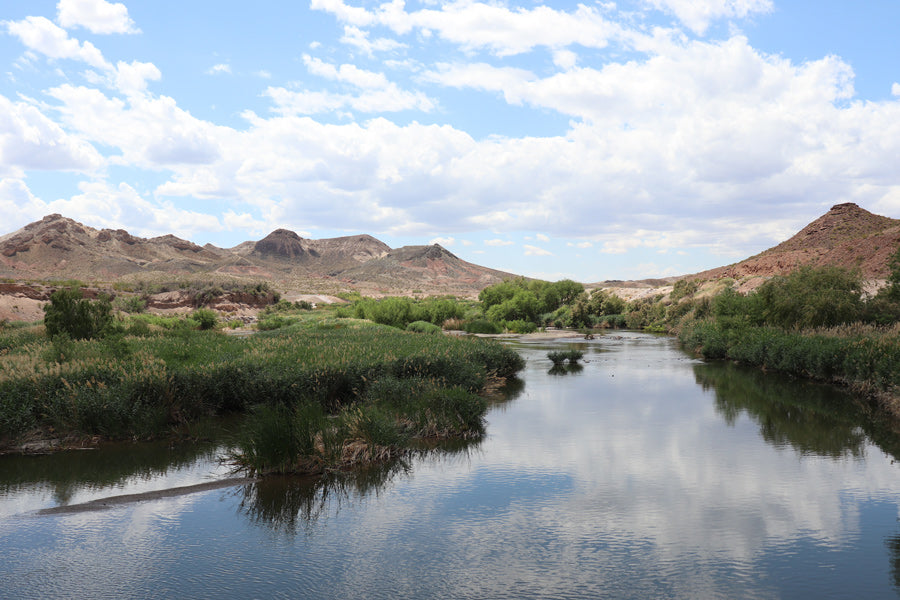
x=31, y=140
x=356, y=37
x=121, y=206
x=443, y=241
x=535, y=251
x=698, y=14
x=45, y=37
x=97, y=16
x=149, y=131
x=486, y=26
x=18, y=204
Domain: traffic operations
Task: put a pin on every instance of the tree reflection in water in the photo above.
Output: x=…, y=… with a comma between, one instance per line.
x=288, y=504
x=813, y=418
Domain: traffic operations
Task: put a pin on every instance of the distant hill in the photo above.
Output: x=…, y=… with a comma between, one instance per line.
x=59, y=248
x=432, y=268
x=846, y=236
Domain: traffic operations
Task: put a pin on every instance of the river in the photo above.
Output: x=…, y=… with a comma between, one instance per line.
x=641, y=473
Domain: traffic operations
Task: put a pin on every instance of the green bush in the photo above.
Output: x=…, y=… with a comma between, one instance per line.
x=78, y=317
x=131, y=304
x=273, y=322
x=423, y=327
x=812, y=297
x=520, y=326
x=206, y=318
x=482, y=326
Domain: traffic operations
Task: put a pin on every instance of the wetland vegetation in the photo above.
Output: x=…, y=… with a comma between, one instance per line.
x=334, y=389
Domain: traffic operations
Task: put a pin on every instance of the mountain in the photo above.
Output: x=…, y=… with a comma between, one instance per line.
x=846, y=236
x=59, y=248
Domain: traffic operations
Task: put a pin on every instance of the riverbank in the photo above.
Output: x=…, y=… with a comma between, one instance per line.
x=864, y=357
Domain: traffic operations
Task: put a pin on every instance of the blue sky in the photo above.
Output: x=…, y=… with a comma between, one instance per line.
x=603, y=140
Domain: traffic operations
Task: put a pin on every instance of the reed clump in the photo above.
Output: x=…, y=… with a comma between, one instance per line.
x=558, y=357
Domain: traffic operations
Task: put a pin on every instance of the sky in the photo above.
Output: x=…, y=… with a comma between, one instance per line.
x=592, y=141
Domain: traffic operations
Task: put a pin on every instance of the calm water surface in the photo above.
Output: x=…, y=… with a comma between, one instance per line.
x=644, y=474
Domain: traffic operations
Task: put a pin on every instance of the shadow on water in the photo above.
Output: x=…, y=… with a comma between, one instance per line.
x=812, y=418
x=66, y=473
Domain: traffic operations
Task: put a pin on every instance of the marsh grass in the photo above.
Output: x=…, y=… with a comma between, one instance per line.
x=865, y=356
x=142, y=385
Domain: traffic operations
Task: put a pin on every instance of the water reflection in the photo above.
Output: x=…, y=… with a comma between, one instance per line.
x=288, y=503
x=566, y=369
x=811, y=418
x=66, y=475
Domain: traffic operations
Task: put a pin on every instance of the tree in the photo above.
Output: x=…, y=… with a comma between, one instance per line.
x=812, y=297
x=78, y=317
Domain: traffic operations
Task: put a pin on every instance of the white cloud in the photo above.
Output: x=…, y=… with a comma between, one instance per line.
x=565, y=59
x=97, y=16
x=493, y=27
x=535, y=251
x=42, y=35
x=30, y=140
x=346, y=73
x=121, y=206
x=131, y=78
x=580, y=245
x=542, y=238
x=354, y=36
x=895, y=89
x=498, y=242
x=698, y=14
x=18, y=204
x=149, y=131
x=443, y=241
x=219, y=68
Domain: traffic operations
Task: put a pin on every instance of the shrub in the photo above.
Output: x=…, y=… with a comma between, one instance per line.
x=812, y=297
x=273, y=322
x=481, y=326
x=205, y=317
x=131, y=304
x=520, y=326
x=78, y=317
x=423, y=327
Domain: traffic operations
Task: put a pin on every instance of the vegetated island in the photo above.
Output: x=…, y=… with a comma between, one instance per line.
x=322, y=393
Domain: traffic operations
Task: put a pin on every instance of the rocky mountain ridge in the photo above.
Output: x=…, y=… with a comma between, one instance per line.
x=57, y=247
